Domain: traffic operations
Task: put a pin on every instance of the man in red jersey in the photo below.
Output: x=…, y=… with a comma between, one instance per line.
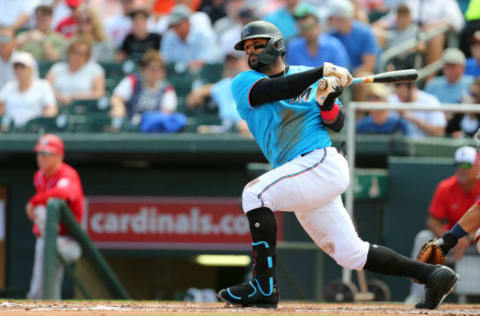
x=54, y=179
x=453, y=197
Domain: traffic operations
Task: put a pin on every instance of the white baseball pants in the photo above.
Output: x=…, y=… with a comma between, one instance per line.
x=311, y=186
x=68, y=248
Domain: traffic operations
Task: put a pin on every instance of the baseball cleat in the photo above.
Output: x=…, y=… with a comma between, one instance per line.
x=440, y=283
x=250, y=295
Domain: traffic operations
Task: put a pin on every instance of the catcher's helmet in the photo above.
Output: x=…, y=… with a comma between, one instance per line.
x=261, y=29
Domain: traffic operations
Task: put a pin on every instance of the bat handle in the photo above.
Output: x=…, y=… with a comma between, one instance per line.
x=323, y=83
x=357, y=80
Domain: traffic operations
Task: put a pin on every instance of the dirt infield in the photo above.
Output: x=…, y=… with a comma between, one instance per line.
x=110, y=308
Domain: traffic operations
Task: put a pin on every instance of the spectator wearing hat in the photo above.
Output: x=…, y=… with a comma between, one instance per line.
x=54, y=179
x=453, y=86
x=186, y=43
x=313, y=48
x=381, y=121
x=26, y=97
x=44, y=44
x=452, y=198
x=139, y=40
x=420, y=123
x=472, y=67
x=7, y=48
x=284, y=18
x=68, y=26
x=351, y=32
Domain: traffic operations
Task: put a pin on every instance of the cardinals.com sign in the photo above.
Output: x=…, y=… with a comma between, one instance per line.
x=167, y=223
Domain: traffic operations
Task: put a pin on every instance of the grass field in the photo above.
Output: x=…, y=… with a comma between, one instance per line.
x=149, y=308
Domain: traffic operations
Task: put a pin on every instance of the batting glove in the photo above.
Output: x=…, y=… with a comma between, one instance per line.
x=328, y=90
x=341, y=73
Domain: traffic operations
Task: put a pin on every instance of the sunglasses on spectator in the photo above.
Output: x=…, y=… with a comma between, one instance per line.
x=307, y=26
x=464, y=165
x=79, y=52
x=474, y=94
x=44, y=153
x=87, y=20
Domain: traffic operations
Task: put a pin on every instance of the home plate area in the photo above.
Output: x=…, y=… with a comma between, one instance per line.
x=107, y=308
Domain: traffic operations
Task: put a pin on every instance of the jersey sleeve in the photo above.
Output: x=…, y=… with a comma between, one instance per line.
x=66, y=188
x=438, y=207
x=242, y=86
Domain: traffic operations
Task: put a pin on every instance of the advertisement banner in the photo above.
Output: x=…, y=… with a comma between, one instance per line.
x=168, y=223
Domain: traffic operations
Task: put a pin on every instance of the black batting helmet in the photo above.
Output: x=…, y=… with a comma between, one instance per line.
x=262, y=29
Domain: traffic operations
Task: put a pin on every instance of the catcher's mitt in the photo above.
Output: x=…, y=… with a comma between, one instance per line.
x=431, y=253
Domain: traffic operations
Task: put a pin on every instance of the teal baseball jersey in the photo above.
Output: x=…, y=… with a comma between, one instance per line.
x=283, y=129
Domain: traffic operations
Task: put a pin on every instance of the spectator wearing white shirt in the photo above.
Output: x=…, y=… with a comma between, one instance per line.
x=78, y=78
x=420, y=123
x=185, y=43
x=26, y=97
x=7, y=46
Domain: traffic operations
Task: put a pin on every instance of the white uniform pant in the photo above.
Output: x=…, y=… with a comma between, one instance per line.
x=311, y=187
x=70, y=251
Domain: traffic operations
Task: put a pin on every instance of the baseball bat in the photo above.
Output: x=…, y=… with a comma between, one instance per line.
x=384, y=77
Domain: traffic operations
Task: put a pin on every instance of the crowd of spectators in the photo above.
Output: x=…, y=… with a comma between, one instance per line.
x=161, y=50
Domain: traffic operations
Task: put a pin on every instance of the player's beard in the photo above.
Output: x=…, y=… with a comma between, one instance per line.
x=256, y=65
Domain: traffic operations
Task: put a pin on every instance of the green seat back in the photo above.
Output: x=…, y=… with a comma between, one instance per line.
x=45, y=125
x=89, y=106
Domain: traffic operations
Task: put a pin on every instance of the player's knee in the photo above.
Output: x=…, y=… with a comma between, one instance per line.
x=250, y=199
x=354, y=257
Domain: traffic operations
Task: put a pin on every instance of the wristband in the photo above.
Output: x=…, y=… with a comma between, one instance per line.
x=331, y=114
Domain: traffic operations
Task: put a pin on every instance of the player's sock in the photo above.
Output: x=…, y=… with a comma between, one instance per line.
x=263, y=227
x=386, y=261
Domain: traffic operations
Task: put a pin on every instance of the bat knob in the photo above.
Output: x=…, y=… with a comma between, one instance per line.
x=322, y=84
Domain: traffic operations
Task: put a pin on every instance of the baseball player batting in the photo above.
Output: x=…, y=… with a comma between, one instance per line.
x=289, y=118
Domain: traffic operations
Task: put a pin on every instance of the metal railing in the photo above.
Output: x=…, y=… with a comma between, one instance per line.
x=405, y=46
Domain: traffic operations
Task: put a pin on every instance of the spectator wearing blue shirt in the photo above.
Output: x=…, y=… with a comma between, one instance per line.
x=358, y=38
x=473, y=63
x=221, y=93
x=381, y=121
x=185, y=43
x=284, y=19
x=313, y=48
x=453, y=86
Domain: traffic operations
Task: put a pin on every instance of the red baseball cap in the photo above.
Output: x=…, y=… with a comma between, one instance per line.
x=51, y=144
x=74, y=3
